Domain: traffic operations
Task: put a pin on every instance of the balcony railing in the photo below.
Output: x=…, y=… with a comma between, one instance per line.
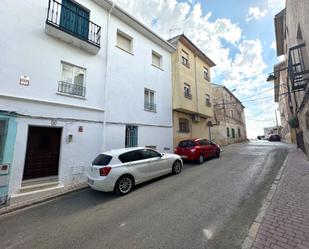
x=72, y=89
x=150, y=106
x=72, y=22
x=188, y=95
x=298, y=70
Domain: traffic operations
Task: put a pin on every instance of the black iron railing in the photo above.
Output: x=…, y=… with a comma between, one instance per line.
x=72, y=89
x=150, y=106
x=298, y=71
x=188, y=95
x=72, y=22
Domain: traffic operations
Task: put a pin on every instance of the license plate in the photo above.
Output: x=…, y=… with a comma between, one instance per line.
x=184, y=157
x=91, y=182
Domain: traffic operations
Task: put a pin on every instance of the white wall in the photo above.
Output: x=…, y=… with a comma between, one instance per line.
x=27, y=50
x=75, y=157
x=128, y=75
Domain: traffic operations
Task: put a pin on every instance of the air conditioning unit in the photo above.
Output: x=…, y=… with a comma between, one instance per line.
x=196, y=118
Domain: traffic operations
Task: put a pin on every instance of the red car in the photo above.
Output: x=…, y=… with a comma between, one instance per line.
x=197, y=149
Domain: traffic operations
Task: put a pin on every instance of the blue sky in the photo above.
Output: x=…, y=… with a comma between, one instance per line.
x=237, y=34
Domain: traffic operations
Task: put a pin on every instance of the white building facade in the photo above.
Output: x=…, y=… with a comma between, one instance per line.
x=77, y=77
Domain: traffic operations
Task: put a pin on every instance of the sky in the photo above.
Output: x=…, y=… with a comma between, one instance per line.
x=238, y=35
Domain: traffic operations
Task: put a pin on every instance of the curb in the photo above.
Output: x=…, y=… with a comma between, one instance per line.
x=29, y=203
x=253, y=231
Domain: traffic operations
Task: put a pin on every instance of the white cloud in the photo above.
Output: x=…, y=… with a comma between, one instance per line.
x=273, y=45
x=255, y=13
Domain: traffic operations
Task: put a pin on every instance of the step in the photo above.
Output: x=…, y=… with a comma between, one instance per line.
x=38, y=186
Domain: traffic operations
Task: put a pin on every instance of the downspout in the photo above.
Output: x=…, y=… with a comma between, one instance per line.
x=105, y=75
x=195, y=79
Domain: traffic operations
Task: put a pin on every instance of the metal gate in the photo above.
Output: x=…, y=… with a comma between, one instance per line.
x=131, y=136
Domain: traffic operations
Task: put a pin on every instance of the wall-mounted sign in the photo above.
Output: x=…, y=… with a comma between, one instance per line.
x=80, y=128
x=24, y=80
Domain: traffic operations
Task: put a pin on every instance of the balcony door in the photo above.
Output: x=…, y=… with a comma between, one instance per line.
x=74, y=18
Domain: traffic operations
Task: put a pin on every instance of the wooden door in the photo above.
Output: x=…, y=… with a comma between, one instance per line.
x=42, y=155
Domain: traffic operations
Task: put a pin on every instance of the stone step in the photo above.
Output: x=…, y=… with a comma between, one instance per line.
x=38, y=186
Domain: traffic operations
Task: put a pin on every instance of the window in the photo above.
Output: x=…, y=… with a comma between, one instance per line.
x=228, y=132
x=185, y=58
x=186, y=143
x=204, y=142
x=206, y=74
x=131, y=156
x=102, y=160
x=232, y=113
x=72, y=80
x=207, y=100
x=184, y=125
x=233, y=133
x=131, y=136
x=74, y=18
x=156, y=59
x=124, y=41
x=150, y=154
x=149, y=100
x=239, y=134
x=187, y=91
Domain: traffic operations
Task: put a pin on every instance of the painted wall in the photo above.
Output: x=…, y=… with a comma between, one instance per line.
x=194, y=76
x=197, y=129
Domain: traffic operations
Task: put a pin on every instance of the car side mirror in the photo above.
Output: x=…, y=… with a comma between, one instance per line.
x=161, y=154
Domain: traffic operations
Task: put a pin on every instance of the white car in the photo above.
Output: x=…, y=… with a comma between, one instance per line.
x=119, y=170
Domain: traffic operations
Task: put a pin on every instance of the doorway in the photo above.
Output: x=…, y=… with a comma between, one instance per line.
x=42, y=155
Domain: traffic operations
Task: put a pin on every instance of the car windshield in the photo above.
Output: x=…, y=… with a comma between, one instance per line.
x=186, y=143
x=102, y=159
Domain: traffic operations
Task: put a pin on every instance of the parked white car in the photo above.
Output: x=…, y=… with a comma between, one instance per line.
x=120, y=170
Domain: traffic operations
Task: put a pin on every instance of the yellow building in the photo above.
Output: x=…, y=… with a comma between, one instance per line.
x=192, y=90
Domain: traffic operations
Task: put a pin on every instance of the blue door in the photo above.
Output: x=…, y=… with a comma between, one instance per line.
x=74, y=19
x=7, y=142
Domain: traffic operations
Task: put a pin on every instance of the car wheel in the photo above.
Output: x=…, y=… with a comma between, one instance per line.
x=218, y=153
x=124, y=185
x=177, y=167
x=201, y=159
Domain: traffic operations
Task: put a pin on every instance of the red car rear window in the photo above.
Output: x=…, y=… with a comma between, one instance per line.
x=186, y=143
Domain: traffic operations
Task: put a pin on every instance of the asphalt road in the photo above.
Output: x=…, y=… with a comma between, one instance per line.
x=206, y=206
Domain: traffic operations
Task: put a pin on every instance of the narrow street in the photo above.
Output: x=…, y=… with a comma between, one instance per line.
x=206, y=206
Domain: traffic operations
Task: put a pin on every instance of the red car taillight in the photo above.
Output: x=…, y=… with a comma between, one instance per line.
x=105, y=171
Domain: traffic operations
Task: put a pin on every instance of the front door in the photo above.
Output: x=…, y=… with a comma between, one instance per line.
x=42, y=155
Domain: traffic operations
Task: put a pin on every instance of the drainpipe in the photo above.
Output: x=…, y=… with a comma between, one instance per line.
x=105, y=75
x=195, y=79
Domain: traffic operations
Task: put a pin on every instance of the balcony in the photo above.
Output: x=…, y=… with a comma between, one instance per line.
x=150, y=106
x=187, y=95
x=71, y=89
x=70, y=23
x=298, y=70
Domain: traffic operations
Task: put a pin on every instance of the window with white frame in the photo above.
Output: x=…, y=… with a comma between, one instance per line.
x=187, y=91
x=156, y=59
x=185, y=58
x=207, y=99
x=149, y=100
x=124, y=41
x=72, y=80
x=206, y=73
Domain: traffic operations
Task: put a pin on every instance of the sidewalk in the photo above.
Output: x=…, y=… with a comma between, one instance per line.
x=286, y=222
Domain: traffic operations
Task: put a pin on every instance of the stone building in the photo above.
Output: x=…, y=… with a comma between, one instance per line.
x=229, y=124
